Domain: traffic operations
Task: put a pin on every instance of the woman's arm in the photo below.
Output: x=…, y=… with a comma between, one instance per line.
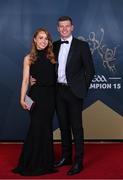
x=25, y=82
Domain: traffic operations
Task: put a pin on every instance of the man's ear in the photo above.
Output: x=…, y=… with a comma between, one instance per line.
x=72, y=27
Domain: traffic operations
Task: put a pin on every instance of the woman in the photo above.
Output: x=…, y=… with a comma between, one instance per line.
x=37, y=153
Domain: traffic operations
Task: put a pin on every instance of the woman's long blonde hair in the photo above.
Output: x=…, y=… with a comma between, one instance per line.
x=49, y=49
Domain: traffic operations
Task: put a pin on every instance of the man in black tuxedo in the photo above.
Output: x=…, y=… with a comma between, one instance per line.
x=75, y=71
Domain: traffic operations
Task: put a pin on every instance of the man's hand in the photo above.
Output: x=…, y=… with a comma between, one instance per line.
x=32, y=81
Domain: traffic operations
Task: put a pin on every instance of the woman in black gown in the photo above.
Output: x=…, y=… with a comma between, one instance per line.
x=37, y=154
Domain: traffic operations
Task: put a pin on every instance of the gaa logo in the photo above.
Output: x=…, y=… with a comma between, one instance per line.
x=99, y=78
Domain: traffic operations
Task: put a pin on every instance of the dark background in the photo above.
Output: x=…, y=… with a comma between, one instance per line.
x=18, y=21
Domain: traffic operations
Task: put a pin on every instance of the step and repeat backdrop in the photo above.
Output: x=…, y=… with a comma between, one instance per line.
x=97, y=22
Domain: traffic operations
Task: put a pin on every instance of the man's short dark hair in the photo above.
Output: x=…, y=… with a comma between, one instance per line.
x=65, y=18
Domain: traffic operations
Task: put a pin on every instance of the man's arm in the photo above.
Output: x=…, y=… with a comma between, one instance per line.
x=88, y=63
x=32, y=81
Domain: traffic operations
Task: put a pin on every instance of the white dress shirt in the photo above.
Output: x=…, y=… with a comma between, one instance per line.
x=62, y=59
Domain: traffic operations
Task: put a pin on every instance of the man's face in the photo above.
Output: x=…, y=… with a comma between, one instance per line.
x=65, y=28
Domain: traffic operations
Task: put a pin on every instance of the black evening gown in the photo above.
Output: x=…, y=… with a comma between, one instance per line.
x=37, y=156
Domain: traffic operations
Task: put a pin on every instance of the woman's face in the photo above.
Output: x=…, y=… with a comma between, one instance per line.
x=41, y=40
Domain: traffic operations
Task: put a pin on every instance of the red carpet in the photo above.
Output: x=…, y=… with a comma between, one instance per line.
x=102, y=161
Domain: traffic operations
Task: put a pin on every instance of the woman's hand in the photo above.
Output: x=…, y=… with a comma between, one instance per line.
x=24, y=105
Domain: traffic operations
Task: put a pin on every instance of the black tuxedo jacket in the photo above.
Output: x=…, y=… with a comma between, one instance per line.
x=79, y=66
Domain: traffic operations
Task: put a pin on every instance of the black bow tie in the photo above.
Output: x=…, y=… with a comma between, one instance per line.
x=66, y=42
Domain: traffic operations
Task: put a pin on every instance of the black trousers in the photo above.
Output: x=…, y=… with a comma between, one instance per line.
x=69, y=112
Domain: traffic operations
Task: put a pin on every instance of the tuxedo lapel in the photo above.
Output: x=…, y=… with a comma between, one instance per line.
x=72, y=47
x=56, y=48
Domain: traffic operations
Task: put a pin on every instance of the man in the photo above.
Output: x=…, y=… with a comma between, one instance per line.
x=75, y=71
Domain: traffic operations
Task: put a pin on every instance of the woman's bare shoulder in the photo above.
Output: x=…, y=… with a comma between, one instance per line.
x=27, y=59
